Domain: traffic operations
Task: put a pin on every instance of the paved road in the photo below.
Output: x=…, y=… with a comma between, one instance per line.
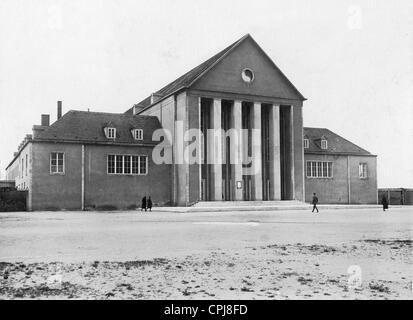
x=123, y=236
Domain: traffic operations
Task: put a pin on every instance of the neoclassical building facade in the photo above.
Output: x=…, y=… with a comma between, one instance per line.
x=239, y=88
x=230, y=129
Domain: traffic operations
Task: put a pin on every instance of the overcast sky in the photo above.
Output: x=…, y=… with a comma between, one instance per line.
x=352, y=60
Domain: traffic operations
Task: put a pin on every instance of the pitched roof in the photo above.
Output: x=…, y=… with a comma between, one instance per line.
x=186, y=79
x=336, y=143
x=84, y=126
x=191, y=76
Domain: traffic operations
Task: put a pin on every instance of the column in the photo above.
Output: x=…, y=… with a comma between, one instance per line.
x=236, y=149
x=292, y=152
x=215, y=150
x=256, y=152
x=275, y=159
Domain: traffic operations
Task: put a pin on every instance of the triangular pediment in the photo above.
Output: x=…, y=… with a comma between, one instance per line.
x=232, y=74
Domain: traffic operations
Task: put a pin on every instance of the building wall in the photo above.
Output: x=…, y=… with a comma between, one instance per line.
x=165, y=111
x=20, y=171
x=298, y=152
x=335, y=190
x=56, y=191
x=363, y=190
x=123, y=191
x=194, y=168
x=226, y=75
x=102, y=191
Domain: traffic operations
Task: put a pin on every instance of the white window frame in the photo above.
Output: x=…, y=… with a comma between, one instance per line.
x=123, y=165
x=111, y=130
x=363, y=174
x=324, y=144
x=138, y=134
x=306, y=143
x=318, y=168
x=57, y=160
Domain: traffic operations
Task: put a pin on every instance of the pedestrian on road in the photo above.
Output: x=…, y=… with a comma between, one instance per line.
x=150, y=203
x=384, y=202
x=143, y=206
x=314, y=202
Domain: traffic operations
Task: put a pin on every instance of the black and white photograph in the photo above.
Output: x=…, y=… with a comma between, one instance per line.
x=212, y=151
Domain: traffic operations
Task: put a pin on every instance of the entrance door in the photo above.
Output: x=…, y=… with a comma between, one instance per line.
x=247, y=188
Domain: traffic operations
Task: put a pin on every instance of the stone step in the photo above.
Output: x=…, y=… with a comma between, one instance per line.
x=232, y=204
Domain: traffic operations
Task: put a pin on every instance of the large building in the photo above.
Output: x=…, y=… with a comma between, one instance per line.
x=230, y=129
x=238, y=88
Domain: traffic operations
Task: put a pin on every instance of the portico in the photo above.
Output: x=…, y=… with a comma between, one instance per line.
x=242, y=158
x=255, y=113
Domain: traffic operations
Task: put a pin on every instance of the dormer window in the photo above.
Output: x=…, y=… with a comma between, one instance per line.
x=110, y=132
x=324, y=144
x=138, y=134
x=306, y=142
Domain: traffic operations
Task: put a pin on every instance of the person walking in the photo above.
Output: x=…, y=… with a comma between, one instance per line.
x=314, y=202
x=143, y=206
x=150, y=203
x=384, y=202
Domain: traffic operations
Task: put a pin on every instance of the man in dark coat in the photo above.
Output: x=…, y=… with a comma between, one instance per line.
x=384, y=202
x=314, y=202
x=149, y=202
x=143, y=203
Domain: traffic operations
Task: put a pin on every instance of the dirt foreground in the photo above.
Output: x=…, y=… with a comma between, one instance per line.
x=364, y=269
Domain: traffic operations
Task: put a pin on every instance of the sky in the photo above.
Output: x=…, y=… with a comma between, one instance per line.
x=352, y=60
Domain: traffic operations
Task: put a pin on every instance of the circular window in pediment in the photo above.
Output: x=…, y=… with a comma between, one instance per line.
x=247, y=75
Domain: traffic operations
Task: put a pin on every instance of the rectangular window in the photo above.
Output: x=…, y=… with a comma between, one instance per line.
x=119, y=164
x=319, y=169
x=111, y=164
x=138, y=134
x=22, y=173
x=135, y=164
x=57, y=163
x=306, y=143
x=111, y=133
x=27, y=162
x=142, y=165
x=324, y=144
x=127, y=164
x=314, y=169
x=363, y=170
x=308, y=168
x=329, y=169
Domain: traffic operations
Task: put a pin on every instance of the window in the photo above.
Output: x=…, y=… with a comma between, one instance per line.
x=22, y=173
x=135, y=164
x=111, y=133
x=57, y=163
x=247, y=75
x=27, y=161
x=142, y=165
x=324, y=144
x=138, y=134
x=127, y=164
x=319, y=169
x=363, y=170
x=119, y=164
x=306, y=143
x=111, y=163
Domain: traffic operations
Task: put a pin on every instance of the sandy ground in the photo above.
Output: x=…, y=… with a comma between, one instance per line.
x=338, y=254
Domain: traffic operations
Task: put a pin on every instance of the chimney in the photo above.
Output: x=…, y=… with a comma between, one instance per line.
x=59, y=109
x=45, y=120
